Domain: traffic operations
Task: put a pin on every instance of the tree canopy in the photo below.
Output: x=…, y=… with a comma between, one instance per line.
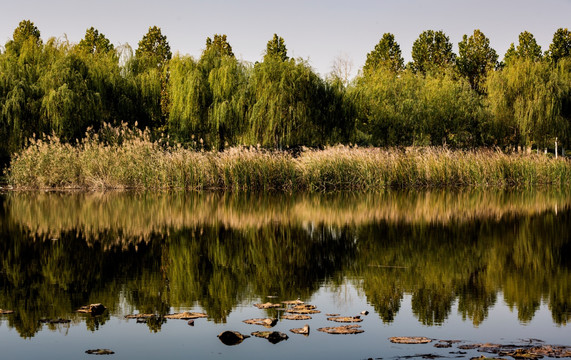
x=476, y=58
x=154, y=49
x=386, y=53
x=432, y=51
x=95, y=43
x=276, y=48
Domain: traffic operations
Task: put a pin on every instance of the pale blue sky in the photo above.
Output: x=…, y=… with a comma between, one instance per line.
x=318, y=31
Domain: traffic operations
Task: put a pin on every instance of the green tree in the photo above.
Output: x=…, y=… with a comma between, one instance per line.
x=476, y=58
x=386, y=53
x=527, y=48
x=154, y=50
x=561, y=45
x=26, y=31
x=276, y=48
x=220, y=45
x=95, y=43
x=432, y=51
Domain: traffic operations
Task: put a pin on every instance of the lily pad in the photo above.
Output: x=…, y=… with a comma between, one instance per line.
x=267, y=305
x=100, y=352
x=232, y=337
x=346, y=329
x=296, y=317
x=410, y=340
x=303, y=331
x=186, y=315
x=93, y=309
x=267, y=322
x=345, y=319
x=273, y=336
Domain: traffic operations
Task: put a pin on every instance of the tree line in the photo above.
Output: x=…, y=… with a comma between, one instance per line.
x=463, y=100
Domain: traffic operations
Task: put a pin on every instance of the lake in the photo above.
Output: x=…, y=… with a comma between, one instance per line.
x=474, y=266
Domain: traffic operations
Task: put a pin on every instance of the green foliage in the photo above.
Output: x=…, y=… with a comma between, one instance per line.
x=527, y=48
x=432, y=51
x=560, y=47
x=476, y=58
x=385, y=54
x=25, y=32
x=406, y=109
x=95, y=43
x=219, y=45
x=529, y=102
x=276, y=48
x=154, y=50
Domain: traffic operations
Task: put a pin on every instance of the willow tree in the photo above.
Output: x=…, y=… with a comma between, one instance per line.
x=386, y=53
x=407, y=109
x=21, y=66
x=70, y=103
x=289, y=105
x=208, y=99
x=529, y=101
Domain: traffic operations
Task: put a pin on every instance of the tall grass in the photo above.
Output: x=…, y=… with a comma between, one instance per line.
x=125, y=159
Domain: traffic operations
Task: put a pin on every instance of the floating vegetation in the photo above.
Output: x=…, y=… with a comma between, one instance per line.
x=267, y=322
x=232, y=337
x=93, y=309
x=303, y=331
x=332, y=314
x=267, y=305
x=273, y=336
x=521, y=351
x=303, y=309
x=345, y=319
x=6, y=312
x=186, y=315
x=346, y=329
x=100, y=352
x=410, y=340
x=296, y=317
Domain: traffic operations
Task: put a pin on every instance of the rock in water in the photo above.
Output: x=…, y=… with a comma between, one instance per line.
x=93, y=309
x=100, y=352
x=232, y=337
x=273, y=336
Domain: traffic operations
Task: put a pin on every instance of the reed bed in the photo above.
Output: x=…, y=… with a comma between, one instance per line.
x=136, y=162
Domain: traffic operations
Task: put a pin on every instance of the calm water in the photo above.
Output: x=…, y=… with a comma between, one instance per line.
x=472, y=266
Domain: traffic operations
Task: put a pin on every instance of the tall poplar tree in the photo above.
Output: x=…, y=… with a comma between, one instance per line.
x=476, y=58
x=386, y=54
x=432, y=51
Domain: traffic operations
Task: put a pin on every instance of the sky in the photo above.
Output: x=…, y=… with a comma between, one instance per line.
x=318, y=31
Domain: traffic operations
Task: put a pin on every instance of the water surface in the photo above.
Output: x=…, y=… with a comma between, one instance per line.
x=474, y=266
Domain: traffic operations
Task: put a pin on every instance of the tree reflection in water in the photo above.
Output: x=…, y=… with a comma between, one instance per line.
x=152, y=253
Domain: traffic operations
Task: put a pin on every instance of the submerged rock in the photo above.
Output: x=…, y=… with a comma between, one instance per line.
x=232, y=337
x=140, y=316
x=345, y=319
x=93, y=309
x=296, y=317
x=410, y=340
x=293, y=302
x=273, y=336
x=303, y=331
x=186, y=315
x=267, y=305
x=190, y=322
x=100, y=352
x=303, y=309
x=346, y=329
x=267, y=322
